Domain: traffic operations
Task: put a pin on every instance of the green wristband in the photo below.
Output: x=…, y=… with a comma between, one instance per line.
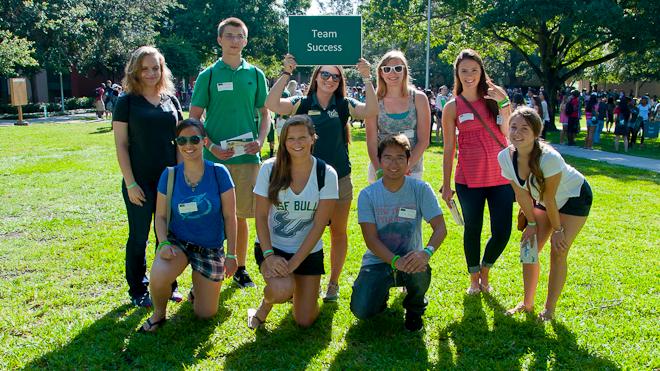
x=503, y=103
x=268, y=253
x=426, y=250
x=531, y=224
x=394, y=259
x=164, y=243
x=230, y=256
x=132, y=185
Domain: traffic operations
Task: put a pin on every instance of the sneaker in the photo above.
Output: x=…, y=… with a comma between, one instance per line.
x=332, y=293
x=414, y=322
x=143, y=300
x=243, y=280
x=176, y=296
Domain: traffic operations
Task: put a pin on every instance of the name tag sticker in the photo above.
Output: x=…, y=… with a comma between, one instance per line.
x=407, y=213
x=466, y=117
x=313, y=113
x=188, y=207
x=410, y=133
x=225, y=86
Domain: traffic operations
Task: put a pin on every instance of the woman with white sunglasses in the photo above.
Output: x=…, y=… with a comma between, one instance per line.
x=402, y=109
x=329, y=107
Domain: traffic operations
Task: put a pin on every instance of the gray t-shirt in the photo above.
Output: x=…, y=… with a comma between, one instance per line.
x=397, y=215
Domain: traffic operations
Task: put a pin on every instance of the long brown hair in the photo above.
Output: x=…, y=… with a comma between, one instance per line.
x=281, y=173
x=482, y=87
x=339, y=94
x=131, y=82
x=535, y=123
x=381, y=87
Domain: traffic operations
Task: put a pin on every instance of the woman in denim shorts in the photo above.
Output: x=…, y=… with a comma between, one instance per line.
x=201, y=216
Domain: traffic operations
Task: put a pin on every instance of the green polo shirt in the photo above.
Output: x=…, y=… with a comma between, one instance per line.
x=235, y=97
x=331, y=145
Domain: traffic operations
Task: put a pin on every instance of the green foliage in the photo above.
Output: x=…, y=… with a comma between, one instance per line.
x=181, y=56
x=15, y=54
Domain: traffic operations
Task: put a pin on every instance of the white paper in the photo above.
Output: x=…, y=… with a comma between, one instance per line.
x=237, y=143
x=529, y=251
x=455, y=213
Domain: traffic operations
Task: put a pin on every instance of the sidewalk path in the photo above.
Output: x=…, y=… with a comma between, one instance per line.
x=610, y=157
x=54, y=119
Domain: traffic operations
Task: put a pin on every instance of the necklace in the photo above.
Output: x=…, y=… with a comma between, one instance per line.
x=192, y=185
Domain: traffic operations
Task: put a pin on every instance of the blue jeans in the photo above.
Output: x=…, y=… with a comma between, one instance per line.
x=371, y=290
x=599, y=129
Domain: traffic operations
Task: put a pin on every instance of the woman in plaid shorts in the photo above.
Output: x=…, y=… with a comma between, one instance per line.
x=201, y=217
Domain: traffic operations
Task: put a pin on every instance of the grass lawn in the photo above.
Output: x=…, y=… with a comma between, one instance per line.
x=64, y=300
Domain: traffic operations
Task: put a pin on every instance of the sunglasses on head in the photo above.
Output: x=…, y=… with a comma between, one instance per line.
x=195, y=139
x=326, y=75
x=398, y=68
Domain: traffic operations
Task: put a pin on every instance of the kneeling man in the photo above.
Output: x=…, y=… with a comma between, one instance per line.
x=390, y=213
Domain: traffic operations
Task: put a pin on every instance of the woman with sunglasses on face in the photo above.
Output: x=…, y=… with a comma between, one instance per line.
x=295, y=194
x=401, y=110
x=144, y=121
x=202, y=215
x=480, y=112
x=555, y=198
x=329, y=107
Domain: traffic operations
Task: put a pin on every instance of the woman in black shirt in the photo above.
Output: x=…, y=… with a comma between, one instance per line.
x=144, y=122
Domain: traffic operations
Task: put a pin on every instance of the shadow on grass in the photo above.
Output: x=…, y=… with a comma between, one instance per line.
x=619, y=172
x=112, y=342
x=102, y=130
x=512, y=343
x=264, y=352
x=383, y=343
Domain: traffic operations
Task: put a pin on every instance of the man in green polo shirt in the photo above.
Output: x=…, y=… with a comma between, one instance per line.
x=233, y=91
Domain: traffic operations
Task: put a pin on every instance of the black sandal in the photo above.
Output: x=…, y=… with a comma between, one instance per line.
x=151, y=325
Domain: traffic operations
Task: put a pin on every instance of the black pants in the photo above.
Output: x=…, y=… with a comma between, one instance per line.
x=500, y=204
x=139, y=224
x=633, y=135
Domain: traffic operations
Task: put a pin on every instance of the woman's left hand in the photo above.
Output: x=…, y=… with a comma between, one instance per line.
x=167, y=252
x=364, y=68
x=558, y=240
x=496, y=93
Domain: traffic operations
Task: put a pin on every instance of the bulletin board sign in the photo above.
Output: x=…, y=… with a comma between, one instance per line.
x=18, y=91
x=325, y=40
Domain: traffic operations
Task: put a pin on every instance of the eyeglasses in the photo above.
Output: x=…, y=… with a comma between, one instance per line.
x=182, y=141
x=326, y=75
x=388, y=69
x=237, y=37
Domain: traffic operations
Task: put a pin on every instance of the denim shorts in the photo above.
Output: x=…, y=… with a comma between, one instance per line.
x=579, y=205
x=311, y=266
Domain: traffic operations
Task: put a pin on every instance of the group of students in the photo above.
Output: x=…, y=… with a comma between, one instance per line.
x=201, y=183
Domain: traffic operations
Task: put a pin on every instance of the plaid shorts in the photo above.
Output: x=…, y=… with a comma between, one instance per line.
x=210, y=263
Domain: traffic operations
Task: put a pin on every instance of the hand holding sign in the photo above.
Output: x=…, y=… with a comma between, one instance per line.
x=289, y=63
x=364, y=68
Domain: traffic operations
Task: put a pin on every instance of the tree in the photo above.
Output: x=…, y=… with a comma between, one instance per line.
x=558, y=39
x=338, y=7
x=15, y=53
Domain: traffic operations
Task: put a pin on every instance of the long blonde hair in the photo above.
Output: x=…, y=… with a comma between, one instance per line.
x=381, y=87
x=131, y=81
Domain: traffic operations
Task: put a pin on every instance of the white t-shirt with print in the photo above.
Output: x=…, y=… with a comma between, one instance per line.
x=290, y=221
x=551, y=163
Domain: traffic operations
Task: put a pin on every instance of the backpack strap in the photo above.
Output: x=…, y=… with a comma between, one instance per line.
x=170, y=188
x=209, y=86
x=320, y=173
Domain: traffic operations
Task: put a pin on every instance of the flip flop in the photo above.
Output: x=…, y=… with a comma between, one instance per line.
x=151, y=325
x=253, y=321
x=520, y=308
x=472, y=291
x=544, y=316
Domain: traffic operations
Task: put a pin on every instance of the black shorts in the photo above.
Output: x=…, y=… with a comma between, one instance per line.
x=311, y=266
x=579, y=205
x=621, y=128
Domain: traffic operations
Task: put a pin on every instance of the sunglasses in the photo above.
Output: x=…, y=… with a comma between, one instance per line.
x=182, y=141
x=326, y=75
x=388, y=69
